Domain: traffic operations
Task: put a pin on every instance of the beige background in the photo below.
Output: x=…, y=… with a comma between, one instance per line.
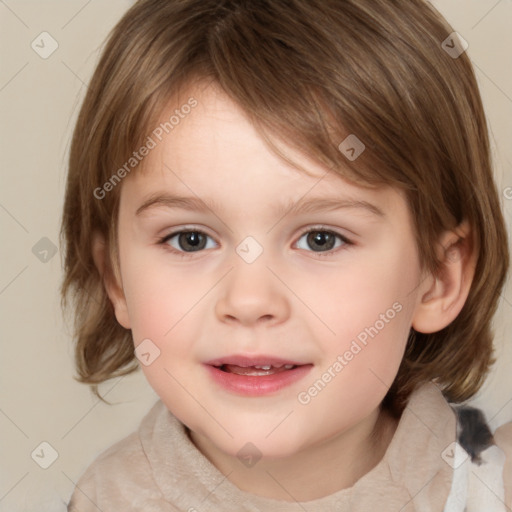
x=39, y=98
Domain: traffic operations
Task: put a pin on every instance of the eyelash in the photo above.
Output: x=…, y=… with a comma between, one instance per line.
x=322, y=254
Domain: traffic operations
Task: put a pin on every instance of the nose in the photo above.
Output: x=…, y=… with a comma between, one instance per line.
x=252, y=295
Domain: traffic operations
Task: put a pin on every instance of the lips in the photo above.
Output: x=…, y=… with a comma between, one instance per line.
x=246, y=361
x=256, y=375
x=255, y=366
x=255, y=370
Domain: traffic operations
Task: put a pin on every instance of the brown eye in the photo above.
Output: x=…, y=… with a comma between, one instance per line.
x=188, y=241
x=191, y=241
x=320, y=240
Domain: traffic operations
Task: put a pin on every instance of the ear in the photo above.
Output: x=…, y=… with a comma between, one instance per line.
x=112, y=287
x=444, y=294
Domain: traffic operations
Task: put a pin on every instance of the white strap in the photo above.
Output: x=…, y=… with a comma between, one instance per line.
x=477, y=488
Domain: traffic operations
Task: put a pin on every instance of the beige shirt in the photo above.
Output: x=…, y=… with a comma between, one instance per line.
x=159, y=469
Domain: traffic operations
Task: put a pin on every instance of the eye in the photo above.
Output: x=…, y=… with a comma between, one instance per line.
x=188, y=241
x=322, y=240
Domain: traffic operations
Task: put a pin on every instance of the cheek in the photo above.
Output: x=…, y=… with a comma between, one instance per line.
x=165, y=307
x=369, y=312
x=350, y=301
x=158, y=297
x=164, y=322
x=359, y=368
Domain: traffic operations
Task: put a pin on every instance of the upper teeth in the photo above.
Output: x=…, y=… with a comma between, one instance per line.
x=269, y=366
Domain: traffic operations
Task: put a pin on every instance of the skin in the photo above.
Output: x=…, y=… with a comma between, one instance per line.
x=294, y=301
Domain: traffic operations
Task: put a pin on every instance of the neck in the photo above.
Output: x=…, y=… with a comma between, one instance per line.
x=320, y=470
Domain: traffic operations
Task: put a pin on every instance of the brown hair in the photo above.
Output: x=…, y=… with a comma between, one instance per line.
x=309, y=72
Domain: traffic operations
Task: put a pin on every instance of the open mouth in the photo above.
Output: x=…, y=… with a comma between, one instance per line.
x=256, y=370
x=256, y=375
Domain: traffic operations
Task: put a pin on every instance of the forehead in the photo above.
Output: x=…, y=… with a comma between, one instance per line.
x=213, y=152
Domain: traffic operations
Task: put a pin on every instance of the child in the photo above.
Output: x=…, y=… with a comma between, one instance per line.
x=284, y=213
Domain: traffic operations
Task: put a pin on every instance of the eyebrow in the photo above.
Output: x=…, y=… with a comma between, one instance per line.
x=303, y=205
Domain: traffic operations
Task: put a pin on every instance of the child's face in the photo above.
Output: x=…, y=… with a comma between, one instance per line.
x=341, y=311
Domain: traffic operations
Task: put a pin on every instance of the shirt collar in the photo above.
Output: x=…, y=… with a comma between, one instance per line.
x=412, y=475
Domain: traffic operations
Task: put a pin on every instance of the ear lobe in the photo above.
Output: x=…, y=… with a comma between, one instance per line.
x=113, y=289
x=446, y=292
